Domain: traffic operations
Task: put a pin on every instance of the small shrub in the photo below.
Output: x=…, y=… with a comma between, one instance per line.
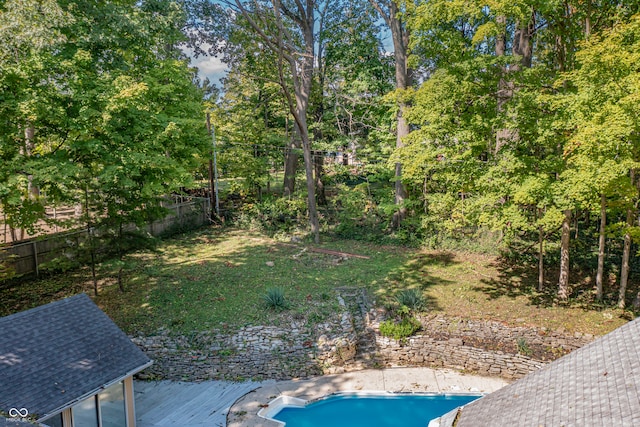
x=274, y=299
x=60, y=264
x=405, y=328
x=273, y=215
x=411, y=298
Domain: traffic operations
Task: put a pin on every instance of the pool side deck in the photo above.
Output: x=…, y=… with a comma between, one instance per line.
x=244, y=412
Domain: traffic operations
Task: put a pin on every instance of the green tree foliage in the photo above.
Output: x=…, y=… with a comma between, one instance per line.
x=117, y=115
x=28, y=43
x=567, y=129
x=252, y=122
x=355, y=76
x=101, y=111
x=346, y=112
x=602, y=120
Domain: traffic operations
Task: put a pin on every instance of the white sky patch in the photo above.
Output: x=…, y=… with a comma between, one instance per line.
x=208, y=66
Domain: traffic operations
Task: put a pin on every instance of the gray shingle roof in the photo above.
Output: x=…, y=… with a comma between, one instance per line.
x=54, y=354
x=596, y=385
x=13, y=422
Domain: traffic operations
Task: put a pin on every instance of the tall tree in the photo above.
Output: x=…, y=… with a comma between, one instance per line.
x=394, y=16
x=356, y=75
x=563, y=278
x=115, y=121
x=30, y=37
x=251, y=118
x=603, y=149
x=288, y=30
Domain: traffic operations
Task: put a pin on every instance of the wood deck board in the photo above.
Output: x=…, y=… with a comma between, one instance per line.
x=167, y=403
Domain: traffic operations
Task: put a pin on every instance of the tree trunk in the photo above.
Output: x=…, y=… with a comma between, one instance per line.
x=523, y=42
x=626, y=252
x=318, y=114
x=291, y=164
x=121, y=255
x=212, y=182
x=403, y=82
x=303, y=91
x=501, y=39
x=563, y=280
x=587, y=21
x=522, y=47
x=540, y=256
x=601, y=242
x=92, y=249
x=400, y=38
x=624, y=270
x=120, y=280
x=504, y=92
x=29, y=142
x=311, y=193
x=561, y=52
x=318, y=162
x=302, y=76
x=401, y=195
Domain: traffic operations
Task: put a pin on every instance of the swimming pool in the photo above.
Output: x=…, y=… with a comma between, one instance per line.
x=370, y=410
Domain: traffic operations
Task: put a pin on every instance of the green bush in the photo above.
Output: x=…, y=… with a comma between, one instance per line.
x=7, y=270
x=61, y=264
x=357, y=214
x=408, y=326
x=274, y=299
x=274, y=215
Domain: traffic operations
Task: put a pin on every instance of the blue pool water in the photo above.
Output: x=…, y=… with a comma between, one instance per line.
x=372, y=410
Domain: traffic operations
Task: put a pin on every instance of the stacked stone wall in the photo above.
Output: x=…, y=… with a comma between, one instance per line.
x=483, y=347
x=254, y=352
x=351, y=340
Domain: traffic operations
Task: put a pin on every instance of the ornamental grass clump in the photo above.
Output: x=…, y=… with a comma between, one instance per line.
x=274, y=299
x=411, y=298
x=523, y=347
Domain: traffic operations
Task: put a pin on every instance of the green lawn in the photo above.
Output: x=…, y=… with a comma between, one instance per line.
x=216, y=279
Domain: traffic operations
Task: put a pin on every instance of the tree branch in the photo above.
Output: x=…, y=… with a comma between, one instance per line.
x=385, y=16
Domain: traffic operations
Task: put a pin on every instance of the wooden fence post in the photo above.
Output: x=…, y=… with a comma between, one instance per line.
x=35, y=258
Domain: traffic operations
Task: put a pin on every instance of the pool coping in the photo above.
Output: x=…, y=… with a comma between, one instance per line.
x=284, y=401
x=244, y=412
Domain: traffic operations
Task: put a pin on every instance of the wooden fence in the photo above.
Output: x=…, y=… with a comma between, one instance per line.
x=28, y=256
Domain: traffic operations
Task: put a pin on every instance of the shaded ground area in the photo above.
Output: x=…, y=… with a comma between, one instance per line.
x=167, y=403
x=483, y=287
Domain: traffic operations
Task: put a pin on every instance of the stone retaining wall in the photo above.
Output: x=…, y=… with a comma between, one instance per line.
x=484, y=347
x=352, y=341
x=255, y=352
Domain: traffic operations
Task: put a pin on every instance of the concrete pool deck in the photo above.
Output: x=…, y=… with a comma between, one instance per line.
x=244, y=412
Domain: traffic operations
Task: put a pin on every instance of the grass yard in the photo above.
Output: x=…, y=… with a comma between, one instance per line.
x=217, y=279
